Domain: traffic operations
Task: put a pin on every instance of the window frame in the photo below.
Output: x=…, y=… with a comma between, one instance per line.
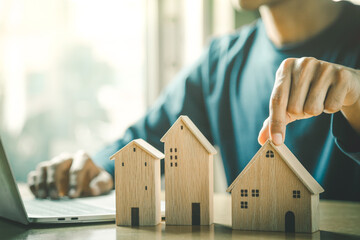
x=270, y=154
x=244, y=193
x=296, y=194
x=255, y=192
x=244, y=205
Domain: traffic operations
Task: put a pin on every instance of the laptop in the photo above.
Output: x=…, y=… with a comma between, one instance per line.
x=46, y=211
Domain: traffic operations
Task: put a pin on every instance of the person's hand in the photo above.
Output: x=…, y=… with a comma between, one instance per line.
x=307, y=87
x=69, y=175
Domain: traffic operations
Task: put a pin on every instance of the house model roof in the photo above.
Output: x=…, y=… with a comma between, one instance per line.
x=195, y=131
x=292, y=162
x=144, y=146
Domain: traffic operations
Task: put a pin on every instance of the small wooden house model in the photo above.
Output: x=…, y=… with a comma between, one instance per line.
x=137, y=184
x=274, y=192
x=188, y=175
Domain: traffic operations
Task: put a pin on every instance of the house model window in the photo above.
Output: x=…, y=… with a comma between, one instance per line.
x=270, y=154
x=294, y=212
x=244, y=192
x=134, y=149
x=145, y=164
x=255, y=192
x=244, y=204
x=296, y=194
x=122, y=164
x=173, y=157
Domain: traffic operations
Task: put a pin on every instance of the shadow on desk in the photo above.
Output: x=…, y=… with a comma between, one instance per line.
x=11, y=230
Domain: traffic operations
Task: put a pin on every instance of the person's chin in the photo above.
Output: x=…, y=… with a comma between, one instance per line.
x=255, y=4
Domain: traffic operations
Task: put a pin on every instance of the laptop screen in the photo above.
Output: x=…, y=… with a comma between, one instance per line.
x=11, y=205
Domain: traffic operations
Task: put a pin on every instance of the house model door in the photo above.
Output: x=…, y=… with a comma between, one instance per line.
x=289, y=222
x=195, y=214
x=134, y=216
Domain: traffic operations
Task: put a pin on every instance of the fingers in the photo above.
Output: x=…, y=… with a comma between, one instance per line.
x=65, y=174
x=50, y=177
x=304, y=88
x=314, y=104
x=40, y=180
x=58, y=176
x=101, y=184
x=31, y=179
x=82, y=171
x=335, y=98
x=303, y=73
x=279, y=101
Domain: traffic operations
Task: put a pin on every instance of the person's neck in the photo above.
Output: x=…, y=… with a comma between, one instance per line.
x=294, y=21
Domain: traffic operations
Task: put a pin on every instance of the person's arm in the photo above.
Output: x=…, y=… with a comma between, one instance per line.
x=307, y=87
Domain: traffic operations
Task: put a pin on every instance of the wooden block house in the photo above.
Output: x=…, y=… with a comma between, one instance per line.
x=275, y=192
x=188, y=175
x=137, y=183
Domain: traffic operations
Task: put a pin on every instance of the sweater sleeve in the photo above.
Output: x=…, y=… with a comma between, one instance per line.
x=347, y=140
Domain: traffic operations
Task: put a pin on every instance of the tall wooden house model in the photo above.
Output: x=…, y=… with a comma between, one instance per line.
x=137, y=183
x=274, y=192
x=188, y=175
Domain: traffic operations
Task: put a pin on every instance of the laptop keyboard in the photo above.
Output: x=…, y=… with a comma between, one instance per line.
x=49, y=208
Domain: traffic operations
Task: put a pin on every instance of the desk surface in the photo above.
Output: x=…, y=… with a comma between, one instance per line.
x=338, y=220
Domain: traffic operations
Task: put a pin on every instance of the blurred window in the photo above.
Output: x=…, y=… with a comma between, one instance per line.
x=71, y=75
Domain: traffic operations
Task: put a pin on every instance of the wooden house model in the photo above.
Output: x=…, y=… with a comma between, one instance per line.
x=275, y=192
x=137, y=183
x=188, y=175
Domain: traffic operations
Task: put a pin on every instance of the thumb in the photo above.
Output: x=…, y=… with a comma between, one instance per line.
x=101, y=184
x=264, y=133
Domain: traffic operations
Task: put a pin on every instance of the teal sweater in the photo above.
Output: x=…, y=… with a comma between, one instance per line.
x=226, y=94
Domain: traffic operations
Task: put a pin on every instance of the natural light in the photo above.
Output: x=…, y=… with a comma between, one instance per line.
x=71, y=75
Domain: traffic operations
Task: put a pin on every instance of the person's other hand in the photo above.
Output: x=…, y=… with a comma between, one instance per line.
x=307, y=87
x=69, y=175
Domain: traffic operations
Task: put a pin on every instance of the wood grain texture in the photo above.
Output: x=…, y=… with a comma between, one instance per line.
x=137, y=184
x=275, y=182
x=315, y=213
x=298, y=169
x=293, y=163
x=188, y=175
